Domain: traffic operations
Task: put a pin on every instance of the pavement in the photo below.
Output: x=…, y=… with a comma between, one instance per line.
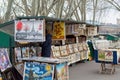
x=90, y=71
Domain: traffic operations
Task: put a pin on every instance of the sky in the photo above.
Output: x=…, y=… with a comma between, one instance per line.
x=112, y=17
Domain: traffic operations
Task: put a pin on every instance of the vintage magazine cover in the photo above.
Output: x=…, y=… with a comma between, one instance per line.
x=38, y=71
x=59, y=31
x=4, y=59
x=62, y=71
x=30, y=30
x=18, y=54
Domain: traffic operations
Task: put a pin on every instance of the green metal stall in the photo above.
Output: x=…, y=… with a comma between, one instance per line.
x=7, y=37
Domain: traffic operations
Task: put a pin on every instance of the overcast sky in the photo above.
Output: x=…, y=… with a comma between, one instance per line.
x=111, y=17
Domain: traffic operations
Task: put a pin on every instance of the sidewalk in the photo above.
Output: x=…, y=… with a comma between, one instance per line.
x=90, y=71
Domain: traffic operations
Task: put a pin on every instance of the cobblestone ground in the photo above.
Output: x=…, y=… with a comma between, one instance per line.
x=90, y=71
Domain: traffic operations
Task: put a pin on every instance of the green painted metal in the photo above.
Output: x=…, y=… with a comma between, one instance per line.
x=6, y=23
x=112, y=37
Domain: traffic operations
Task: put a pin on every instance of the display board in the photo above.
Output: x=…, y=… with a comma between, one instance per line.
x=29, y=30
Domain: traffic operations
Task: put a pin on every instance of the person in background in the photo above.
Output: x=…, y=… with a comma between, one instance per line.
x=46, y=46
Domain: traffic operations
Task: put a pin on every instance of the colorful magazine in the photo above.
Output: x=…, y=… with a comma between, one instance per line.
x=62, y=71
x=38, y=71
x=4, y=59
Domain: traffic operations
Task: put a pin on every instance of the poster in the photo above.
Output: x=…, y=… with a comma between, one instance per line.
x=58, y=31
x=105, y=55
x=4, y=59
x=38, y=71
x=29, y=30
x=18, y=55
x=62, y=71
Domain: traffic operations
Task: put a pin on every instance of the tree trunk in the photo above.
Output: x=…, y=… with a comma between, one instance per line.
x=9, y=7
x=25, y=6
x=33, y=8
x=94, y=10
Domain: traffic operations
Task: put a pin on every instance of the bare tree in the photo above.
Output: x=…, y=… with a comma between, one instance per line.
x=25, y=7
x=7, y=14
x=66, y=9
x=115, y=4
x=95, y=3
